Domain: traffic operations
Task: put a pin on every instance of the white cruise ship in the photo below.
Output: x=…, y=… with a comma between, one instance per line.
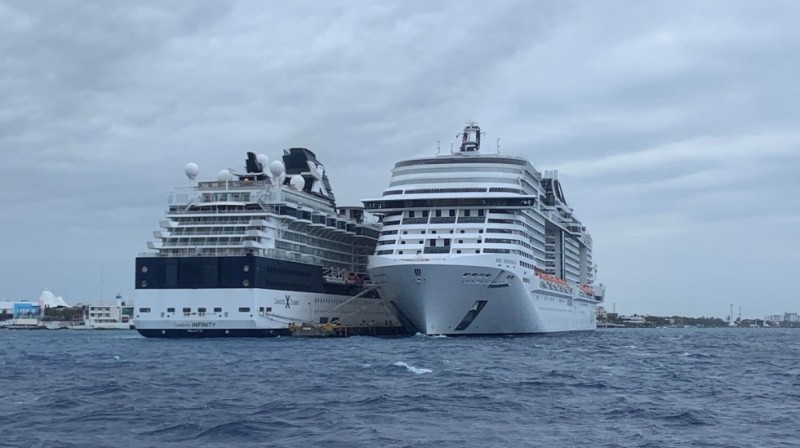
x=260, y=253
x=475, y=242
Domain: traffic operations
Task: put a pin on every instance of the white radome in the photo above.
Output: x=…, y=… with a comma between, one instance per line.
x=297, y=182
x=224, y=175
x=263, y=160
x=191, y=170
x=276, y=168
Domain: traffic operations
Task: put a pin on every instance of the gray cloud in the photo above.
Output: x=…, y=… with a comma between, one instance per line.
x=673, y=126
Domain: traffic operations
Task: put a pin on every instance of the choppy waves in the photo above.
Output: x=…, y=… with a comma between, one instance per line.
x=670, y=387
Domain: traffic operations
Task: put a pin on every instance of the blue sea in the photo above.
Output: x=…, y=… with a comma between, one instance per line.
x=609, y=388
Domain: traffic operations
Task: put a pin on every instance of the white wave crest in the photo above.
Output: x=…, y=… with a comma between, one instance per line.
x=410, y=368
x=420, y=335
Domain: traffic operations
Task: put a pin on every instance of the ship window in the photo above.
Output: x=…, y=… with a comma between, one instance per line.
x=269, y=309
x=477, y=251
x=458, y=251
x=424, y=213
x=452, y=213
x=466, y=212
x=187, y=310
x=244, y=309
x=261, y=309
x=480, y=212
x=411, y=214
x=217, y=310
x=170, y=310
x=144, y=310
x=144, y=269
x=201, y=310
x=423, y=232
x=438, y=213
x=461, y=241
x=433, y=231
x=400, y=252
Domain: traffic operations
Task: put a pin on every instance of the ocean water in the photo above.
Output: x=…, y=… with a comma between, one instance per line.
x=621, y=387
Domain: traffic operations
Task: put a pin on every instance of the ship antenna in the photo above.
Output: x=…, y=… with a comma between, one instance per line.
x=101, y=285
x=498, y=145
x=438, y=147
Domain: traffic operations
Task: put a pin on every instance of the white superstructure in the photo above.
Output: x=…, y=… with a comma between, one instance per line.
x=475, y=242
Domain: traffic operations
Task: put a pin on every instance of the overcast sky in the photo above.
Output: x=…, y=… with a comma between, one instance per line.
x=674, y=125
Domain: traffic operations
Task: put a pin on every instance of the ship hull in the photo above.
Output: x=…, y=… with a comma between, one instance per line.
x=200, y=297
x=239, y=312
x=476, y=297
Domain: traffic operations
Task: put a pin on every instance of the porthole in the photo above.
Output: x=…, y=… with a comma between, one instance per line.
x=246, y=282
x=144, y=269
x=246, y=268
x=144, y=283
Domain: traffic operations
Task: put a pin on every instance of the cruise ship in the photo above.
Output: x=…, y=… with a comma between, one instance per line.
x=260, y=253
x=478, y=243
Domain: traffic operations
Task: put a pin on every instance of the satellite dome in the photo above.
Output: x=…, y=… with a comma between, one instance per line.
x=297, y=182
x=224, y=175
x=276, y=168
x=263, y=160
x=191, y=170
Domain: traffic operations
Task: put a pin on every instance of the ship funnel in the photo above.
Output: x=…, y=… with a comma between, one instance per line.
x=252, y=164
x=471, y=138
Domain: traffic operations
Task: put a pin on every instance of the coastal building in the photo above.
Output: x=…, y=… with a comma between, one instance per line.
x=26, y=313
x=601, y=314
x=118, y=316
x=785, y=317
x=633, y=320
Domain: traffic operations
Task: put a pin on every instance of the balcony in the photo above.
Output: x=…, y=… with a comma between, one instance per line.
x=437, y=250
x=471, y=219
